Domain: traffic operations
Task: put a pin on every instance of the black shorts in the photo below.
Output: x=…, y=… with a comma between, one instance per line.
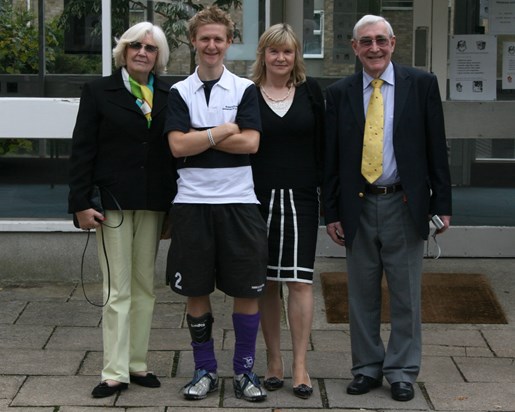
x=217, y=245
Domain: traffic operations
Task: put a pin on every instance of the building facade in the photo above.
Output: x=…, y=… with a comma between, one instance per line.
x=476, y=81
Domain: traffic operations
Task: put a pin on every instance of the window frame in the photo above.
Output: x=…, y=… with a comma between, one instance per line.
x=318, y=32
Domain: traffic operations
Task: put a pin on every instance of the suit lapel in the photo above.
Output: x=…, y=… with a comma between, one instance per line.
x=160, y=96
x=402, y=87
x=119, y=95
x=356, y=99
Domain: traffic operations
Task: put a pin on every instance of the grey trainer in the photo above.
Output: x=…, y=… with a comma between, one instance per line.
x=248, y=387
x=203, y=382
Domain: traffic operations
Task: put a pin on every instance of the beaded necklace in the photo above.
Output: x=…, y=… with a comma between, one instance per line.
x=279, y=106
x=276, y=100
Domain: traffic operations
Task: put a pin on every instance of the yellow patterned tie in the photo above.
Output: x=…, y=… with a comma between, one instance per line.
x=372, y=160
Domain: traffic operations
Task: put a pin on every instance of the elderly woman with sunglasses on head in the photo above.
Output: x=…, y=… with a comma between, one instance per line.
x=119, y=146
x=286, y=172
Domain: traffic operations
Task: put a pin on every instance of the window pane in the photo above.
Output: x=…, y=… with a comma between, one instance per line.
x=34, y=178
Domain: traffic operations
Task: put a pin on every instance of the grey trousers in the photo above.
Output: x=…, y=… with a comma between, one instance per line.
x=386, y=241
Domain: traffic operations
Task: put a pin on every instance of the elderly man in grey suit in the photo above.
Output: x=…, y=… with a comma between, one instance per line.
x=386, y=175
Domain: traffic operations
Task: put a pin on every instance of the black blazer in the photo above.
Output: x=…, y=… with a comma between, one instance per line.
x=113, y=148
x=419, y=146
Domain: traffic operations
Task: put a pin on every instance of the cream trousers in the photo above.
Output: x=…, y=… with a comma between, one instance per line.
x=127, y=317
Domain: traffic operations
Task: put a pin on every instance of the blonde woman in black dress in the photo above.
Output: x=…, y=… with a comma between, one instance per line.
x=286, y=173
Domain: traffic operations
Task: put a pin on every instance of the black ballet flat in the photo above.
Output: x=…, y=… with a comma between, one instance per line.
x=303, y=391
x=103, y=390
x=149, y=380
x=273, y=383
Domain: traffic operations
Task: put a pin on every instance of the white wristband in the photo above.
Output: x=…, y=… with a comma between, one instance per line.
x=210, y=138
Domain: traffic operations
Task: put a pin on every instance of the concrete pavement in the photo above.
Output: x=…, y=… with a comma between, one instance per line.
x=51, y=354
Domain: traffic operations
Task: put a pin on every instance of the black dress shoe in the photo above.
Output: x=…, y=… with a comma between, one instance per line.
x=149, y=380
x=302, y=391
x=273, y=383
x=103, y=390
x=362, y=384
x=402, y=391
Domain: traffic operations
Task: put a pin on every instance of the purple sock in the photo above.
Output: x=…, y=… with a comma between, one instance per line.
x=204, y=356
x=245, y=331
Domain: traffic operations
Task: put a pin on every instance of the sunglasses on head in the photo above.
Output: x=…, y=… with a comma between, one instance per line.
x=379, y=41
x=136, y=45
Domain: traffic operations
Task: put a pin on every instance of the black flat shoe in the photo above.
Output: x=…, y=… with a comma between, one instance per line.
x=103, y=390
x=273, y=383
x=402, y=391
x=362, y=384
x=303, y=391
x=149, y=380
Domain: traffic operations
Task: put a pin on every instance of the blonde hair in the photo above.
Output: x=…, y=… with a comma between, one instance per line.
x=210, y=15
x=137, y=33
x=281, y=34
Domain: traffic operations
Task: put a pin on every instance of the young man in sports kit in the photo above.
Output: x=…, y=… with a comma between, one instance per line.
x=218, y=236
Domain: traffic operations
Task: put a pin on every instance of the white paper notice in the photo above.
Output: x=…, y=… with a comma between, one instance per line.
x=472, y=73
x=508, y=65
x=501, y=17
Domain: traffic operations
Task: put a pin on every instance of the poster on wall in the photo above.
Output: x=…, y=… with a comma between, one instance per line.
x=472, y=72
x=508, y=65
x=501, y=16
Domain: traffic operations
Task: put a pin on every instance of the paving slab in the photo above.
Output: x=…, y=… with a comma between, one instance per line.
x=331, y=340
x=224, y=360
x=330, y=364
x=11, y=310
x=91, y=291
x=479, y=352
x=165, y=295
x=379, y=398
x=502, y=340
x=37, y=291
x=24, y=336
x=453, y=337
x=195, y=406
x=177, y=339
x=491, y=370
x=286, y=345
x=280, y=399
x=169, y=315
x=159, y=362
x=472, y=396
x=5, y=406
x=39, y=362
x=60, y=390
x=56, y=313
x=107, y=409
x=464, y=367
x=9, y=386
x=74, y=338
x=439, y=369
x=441, y=350
x=169, y=394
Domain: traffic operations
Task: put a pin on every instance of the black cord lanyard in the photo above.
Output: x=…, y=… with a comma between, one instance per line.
x=105, y=254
